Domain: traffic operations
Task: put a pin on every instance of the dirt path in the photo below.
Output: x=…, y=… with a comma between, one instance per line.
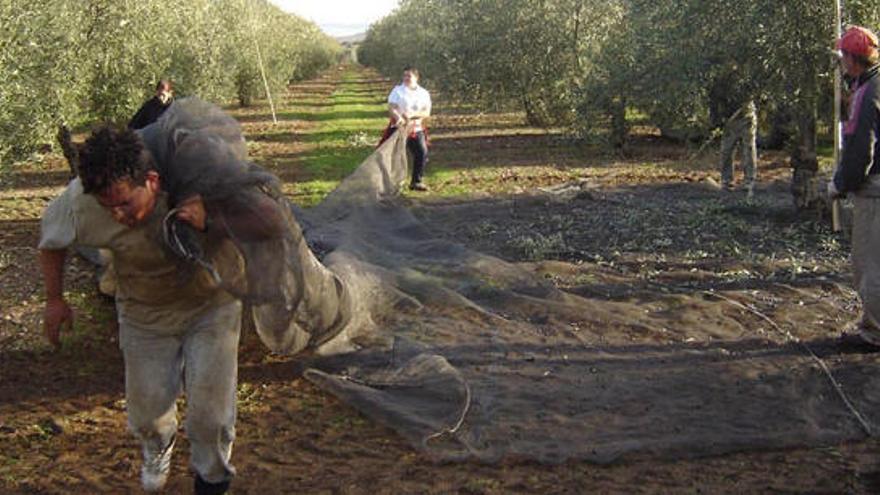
x=641, y=226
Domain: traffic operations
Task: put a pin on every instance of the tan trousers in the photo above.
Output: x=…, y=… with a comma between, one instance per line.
x=741, y=130
x=866, y=255
x=203, y=360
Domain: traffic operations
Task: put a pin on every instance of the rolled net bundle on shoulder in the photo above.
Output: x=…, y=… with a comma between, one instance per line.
x=199, y=150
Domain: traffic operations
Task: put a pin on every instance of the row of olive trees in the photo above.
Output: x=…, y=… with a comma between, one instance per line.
x=74, y=62
x=532, y=54
x=587, y=62
x=694, y=54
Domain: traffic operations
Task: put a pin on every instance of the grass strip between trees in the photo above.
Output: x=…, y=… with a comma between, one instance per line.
x=342, y=134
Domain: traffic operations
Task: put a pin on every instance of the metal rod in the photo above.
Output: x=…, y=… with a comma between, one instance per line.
x=838, y=128
x=265, y=81
x=250, y=19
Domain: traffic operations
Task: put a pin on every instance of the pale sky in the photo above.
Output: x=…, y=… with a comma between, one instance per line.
x=339, y=17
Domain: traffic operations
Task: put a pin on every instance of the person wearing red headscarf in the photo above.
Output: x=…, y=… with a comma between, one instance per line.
x=858, y=172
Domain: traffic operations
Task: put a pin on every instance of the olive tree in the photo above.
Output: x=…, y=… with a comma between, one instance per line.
x=66, y=62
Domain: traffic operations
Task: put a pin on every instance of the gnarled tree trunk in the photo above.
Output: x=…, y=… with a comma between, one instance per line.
x=71, y=153
x=619, y=127
x=804, y=160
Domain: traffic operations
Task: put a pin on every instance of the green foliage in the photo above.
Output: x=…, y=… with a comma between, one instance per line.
x=527, y=54
x=339, y=143
x=680, y=62
x=75, y=62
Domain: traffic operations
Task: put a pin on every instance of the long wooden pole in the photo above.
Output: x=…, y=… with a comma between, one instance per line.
x=838, y=129
x=265, y=81
x=250, y=18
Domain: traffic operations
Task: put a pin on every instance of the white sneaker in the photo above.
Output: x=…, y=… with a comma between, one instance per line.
x=154, y=472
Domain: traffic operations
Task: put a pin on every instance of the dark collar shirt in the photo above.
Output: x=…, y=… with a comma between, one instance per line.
x=148, y=113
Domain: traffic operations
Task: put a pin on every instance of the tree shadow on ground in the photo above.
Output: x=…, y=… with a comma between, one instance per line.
x=95, y=367
x=604, y=218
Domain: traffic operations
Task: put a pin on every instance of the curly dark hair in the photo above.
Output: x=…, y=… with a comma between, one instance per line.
x=110, y=155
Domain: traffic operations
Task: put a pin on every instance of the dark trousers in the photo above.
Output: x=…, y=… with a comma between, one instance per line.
x=418, y=146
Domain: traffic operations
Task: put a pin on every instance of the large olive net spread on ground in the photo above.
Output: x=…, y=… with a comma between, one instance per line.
x=470, y=356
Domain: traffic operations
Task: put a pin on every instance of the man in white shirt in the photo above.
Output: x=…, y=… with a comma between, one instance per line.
x=411, y=103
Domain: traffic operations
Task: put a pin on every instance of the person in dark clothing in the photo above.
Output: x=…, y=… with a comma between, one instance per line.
x=154, y=107
x=858, y=172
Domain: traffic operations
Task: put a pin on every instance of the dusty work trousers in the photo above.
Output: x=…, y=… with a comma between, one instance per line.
x=741, y=130
x=203, y=358
x=866, y=254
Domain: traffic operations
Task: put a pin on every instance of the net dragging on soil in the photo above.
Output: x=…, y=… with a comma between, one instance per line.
x=468, y=356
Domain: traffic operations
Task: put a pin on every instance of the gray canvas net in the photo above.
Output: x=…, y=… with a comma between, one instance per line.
x=295, y=302
x=468, y=356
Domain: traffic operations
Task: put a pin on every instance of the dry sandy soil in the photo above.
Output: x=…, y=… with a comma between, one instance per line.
x=634, y=226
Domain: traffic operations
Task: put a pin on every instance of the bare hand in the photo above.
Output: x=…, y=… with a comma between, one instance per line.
x=831, y=190
x=56, y=315
x=192, y=211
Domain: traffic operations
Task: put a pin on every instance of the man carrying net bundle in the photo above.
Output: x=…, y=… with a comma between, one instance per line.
x=859, y=171
x=194, y=230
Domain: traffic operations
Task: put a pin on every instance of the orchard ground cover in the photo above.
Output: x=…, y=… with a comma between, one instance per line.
x=649, y=226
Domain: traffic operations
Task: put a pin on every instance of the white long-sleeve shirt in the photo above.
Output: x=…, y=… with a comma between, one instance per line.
x=410, y=101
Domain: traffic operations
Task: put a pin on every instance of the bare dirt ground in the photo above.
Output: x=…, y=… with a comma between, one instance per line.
x=642, y=226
